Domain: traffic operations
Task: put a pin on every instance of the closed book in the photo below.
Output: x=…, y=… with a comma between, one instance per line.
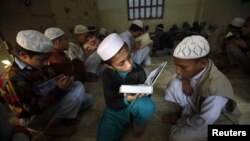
x=134, y=89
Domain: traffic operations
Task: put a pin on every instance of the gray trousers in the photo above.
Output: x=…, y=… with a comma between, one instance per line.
x=68, y=107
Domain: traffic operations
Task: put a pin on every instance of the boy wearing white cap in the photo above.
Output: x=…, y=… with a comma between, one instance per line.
x=220, y=39
x=76, y=51
x=238, y=51
x=27, y=72
x=61, y=64
x=129, y=37
x=135, y=30
x=197, y=93
x=121, y=109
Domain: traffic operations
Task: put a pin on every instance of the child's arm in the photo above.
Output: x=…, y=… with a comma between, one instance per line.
x=113, y=99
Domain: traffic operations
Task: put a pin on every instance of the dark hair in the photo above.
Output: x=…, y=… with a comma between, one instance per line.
x=247, y=21
x=135, y=28
x=109, y=61
x=92, y=29
x=160, y=27
x=19, y=49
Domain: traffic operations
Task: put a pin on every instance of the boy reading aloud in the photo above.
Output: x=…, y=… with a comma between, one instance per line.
x=48, y=112
x=121, y=109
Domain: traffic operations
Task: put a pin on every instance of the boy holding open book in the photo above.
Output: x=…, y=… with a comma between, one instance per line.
x=121, y=108
x=47, y=113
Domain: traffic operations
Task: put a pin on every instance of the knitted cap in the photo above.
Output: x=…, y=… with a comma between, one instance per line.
x=53, y=33
x=34, y=41
x=192, y=47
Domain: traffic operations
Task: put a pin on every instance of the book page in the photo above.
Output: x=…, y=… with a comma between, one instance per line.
x=45, y=88
x=147, y=87
x=153, y=76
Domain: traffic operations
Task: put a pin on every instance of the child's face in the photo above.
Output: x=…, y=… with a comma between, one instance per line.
x=62, y=43
x=37, y=61
x=81, y=38
x=188, y=68
x=122, y=61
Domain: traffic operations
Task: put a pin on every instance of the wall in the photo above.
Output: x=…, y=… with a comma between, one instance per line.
x=113, y=14
x=41, y=14
x=221, y=12
x=15, y=16
x=68, y=13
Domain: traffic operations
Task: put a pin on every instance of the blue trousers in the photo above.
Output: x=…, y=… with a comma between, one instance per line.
x=114, y=123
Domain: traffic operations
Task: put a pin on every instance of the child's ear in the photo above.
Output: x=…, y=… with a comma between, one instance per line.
x=23, y=55
x=204, y=62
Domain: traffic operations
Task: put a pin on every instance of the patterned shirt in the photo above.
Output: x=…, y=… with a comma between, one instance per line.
x=24, y=79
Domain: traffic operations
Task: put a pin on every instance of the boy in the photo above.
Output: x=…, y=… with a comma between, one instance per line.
x=121, y=109
x=200, y=93
x=76, y=52
x=27, y=72
x=163, y=42
x=238, y=50
x=61, y=64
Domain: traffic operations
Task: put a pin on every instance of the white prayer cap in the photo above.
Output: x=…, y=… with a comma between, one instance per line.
x=103, y=31
x=144, y=39
x=138, y=23
x=238, y=22
x=53, y=33
x=192, y=47
x=80, y=29
x=34, y=41
x=110, y=46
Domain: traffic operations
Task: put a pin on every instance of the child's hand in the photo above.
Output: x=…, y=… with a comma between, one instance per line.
x=169, y=118
x=241, y=43
x=186, y=87
x=64, y=83
x=132, y=97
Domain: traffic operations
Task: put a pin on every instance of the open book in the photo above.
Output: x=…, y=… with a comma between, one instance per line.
x=230, y=36
x=147, y=87
x=46, y=87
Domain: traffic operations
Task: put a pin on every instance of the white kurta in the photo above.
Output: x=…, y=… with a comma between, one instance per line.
x=141, y=56
x=128, y=39
x=93, y=62
x=75, y=51
x=193, y=123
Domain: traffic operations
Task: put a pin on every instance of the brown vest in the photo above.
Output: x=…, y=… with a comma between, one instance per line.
x=212, y=83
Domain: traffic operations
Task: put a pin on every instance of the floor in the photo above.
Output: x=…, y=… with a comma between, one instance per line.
x=156, y=131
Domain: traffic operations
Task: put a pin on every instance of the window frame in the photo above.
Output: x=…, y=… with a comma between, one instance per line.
x=139, y=7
